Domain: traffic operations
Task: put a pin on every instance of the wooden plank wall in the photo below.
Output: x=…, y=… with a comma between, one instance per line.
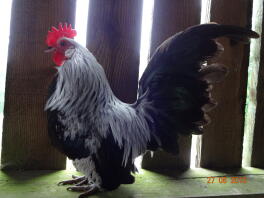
x=25, y=141
x=222, y=140
x=170, y=17
x=257, y=159
x=114, y=38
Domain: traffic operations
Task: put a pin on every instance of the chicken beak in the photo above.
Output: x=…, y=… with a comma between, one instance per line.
x=50, y=49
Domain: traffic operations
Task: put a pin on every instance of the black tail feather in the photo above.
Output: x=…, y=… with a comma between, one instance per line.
x=179, y=81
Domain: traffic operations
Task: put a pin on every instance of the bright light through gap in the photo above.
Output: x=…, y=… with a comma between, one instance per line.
x=197, y=139
x=253, y=71
x=81, y=19
x=146, y=28
x=205, y=11
x=5, y=14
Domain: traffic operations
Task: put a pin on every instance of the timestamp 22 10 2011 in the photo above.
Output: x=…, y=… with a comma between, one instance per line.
x=225, y=180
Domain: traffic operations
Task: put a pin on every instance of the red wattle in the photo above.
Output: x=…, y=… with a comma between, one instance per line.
x=58, y=58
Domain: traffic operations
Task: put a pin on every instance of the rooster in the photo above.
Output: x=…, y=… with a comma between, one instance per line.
x=103, y=135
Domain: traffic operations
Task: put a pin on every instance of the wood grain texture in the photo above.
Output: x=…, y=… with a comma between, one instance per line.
x=170, y=17
x=29, y=71
x=222, y=139
x=257, y=159
x=114, y=38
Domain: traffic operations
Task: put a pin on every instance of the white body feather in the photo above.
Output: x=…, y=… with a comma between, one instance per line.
x=89, y=105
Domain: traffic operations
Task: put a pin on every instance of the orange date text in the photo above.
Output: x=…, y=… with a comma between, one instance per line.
x=224, y=180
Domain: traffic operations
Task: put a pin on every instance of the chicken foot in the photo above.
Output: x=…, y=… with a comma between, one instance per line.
x=87, y=190
x=75, y=180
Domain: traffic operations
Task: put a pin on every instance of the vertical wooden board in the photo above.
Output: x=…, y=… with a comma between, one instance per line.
x=170, y=17
x=29, y=71
x=114, y=38
x=222, y=139
x=257, y=158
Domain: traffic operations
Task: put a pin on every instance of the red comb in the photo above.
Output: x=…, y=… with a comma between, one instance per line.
x=63, y=31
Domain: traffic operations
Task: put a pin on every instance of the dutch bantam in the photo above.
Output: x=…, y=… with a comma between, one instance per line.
x=103, y=135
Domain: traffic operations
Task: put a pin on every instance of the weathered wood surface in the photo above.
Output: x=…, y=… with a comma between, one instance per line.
x=41, y=184
x=222, y=139
x=170, y=17
x=114, y=38
x=29, y=71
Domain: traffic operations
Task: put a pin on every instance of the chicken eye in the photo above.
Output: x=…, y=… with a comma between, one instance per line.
x=63, y=43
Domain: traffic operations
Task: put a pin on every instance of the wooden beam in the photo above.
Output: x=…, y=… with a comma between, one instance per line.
x=170, y=17
x=222, y=140
x=114, y=38
x=25, y=139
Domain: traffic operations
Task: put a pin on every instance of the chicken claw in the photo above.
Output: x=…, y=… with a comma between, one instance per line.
x=76, y=180
x=88, y=190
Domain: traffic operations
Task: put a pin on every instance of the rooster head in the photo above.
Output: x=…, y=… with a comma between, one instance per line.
x=59, y=42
